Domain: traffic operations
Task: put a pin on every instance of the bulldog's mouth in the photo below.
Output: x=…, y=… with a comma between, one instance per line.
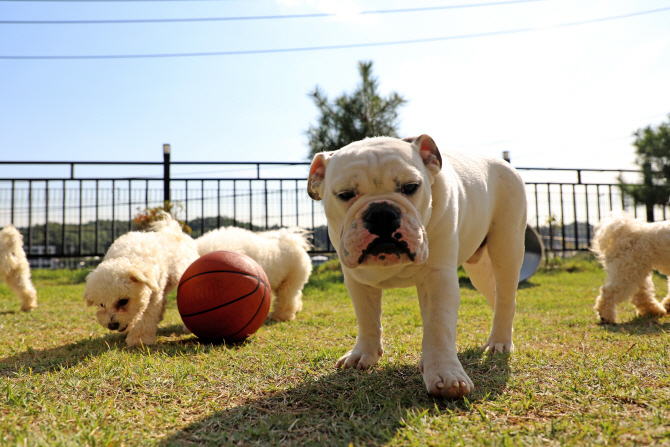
x=385, y=245
x=123, y=329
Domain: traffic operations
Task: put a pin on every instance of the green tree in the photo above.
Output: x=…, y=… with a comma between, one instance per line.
x=353, y=117
x=653, y=156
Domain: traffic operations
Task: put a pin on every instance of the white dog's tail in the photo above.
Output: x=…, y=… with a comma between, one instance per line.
x=613, y=227
x=295, y=235
x=167, y=224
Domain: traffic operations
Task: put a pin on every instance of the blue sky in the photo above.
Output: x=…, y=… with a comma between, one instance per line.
x=553, y=92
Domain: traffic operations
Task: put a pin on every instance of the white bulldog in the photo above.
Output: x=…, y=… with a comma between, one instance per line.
x=400, y=215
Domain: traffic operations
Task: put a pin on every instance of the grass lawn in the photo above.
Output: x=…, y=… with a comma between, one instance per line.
x=64, y=380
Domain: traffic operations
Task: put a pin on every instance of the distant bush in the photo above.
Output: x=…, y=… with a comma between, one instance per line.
x=330, y=272
x=582, y=262
x=144, y=218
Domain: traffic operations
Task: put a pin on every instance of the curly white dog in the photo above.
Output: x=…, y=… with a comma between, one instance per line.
x=281, y=253
x=15, y=269
x=138, y=271
x=629, y=251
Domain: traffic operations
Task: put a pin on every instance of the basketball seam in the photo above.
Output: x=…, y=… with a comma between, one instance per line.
x=258, y=277
x=254, y=317
x=266, y=291
x=223, y=271
x=214, y=271
x=229, y=302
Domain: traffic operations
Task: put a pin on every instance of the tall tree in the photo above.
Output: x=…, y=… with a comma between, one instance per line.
x=653, y=156
x=363, y=113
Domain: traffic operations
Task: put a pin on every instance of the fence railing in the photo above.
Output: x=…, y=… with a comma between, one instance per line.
x=70, y=210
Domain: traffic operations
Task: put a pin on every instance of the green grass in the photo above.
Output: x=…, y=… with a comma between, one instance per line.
x=64, y=380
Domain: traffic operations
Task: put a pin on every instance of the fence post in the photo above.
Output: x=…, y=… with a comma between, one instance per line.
x=166, y=173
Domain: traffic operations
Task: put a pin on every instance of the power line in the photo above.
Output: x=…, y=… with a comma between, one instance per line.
x=115, y=1
x=345, y=46
x=268, y=17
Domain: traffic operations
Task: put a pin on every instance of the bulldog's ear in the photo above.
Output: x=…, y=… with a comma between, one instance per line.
x=428, y=151
x=317, y=173
x=137, y=276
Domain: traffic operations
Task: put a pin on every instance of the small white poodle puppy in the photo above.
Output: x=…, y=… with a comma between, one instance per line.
x=281, y=253
x=138, y=271
x=629, y=251
x=15, y=269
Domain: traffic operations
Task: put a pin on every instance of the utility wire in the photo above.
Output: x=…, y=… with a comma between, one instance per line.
x=270, y=17
x=346, y=46
x=116, y=1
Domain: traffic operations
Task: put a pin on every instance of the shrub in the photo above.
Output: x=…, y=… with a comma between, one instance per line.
x=144, y=218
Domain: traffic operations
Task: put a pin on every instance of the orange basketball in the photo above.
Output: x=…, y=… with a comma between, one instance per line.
x=224, y=296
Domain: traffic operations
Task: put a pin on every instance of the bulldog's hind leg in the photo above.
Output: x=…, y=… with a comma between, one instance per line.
x=481, y=276
x=504, y=257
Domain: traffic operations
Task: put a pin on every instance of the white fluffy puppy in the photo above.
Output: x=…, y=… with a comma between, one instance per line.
x=15, y=269
x=630, y=250
x=281, y=253
x=138, y=271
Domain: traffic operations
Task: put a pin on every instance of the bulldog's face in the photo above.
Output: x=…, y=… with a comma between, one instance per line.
x=120, y=289
x=377, y=198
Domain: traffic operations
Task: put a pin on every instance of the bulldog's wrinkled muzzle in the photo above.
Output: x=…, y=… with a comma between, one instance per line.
x=382, y=233
x=383, y=219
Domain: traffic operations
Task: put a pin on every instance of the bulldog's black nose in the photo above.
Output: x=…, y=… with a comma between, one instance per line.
x=113, y=326
x=381, y=219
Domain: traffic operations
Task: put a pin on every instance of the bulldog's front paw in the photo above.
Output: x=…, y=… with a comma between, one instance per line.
x=497, y=346
x=360, y=358
x=448, y=381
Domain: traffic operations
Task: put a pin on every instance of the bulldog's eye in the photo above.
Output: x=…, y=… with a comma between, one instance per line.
x=345, y=196
x=122, y=302
x=409, y=189
x=102, y=305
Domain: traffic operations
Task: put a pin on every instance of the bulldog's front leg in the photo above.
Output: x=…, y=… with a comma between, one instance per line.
x=367, y=303
x=439, y=298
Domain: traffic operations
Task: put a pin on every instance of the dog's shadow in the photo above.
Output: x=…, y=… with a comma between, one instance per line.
x=173, y=342
x=639, y=326
x=366, y=405
x=464, y=282
x=51, y=359
x=363, y=407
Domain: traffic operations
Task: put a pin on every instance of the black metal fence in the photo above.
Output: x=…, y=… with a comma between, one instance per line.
x=69, y=210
